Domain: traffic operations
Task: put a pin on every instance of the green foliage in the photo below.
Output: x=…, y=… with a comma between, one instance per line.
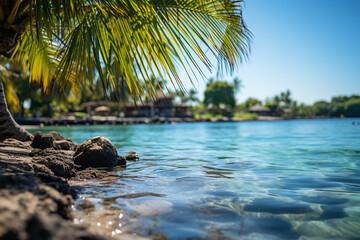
x=80, y=114
x=252, y=102
x=246, y=116
x=247, y=104
x=272, y=105
x=304, y=110
x=321, y=108
x=207, y=116
x=282, y=100
x=189, y=97
x=352, y=107
x=348, y=106
x=72, y=42
x=218, y=93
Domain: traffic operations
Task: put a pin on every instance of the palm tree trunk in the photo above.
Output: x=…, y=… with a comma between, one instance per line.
x=8, y=127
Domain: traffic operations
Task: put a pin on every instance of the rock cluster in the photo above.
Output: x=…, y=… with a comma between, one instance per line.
x=52, y=140
x=35, y=197
x=97, y=152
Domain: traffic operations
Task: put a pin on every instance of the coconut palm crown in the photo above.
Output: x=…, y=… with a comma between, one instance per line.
x=73, y=42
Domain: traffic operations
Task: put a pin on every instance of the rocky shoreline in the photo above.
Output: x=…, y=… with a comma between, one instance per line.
x=35, y=196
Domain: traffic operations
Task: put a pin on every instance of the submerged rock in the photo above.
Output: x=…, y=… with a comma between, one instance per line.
x=86, y=206
x=151, y=207
x=96, y=152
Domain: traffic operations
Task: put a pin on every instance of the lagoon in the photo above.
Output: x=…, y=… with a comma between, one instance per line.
x=297, y=179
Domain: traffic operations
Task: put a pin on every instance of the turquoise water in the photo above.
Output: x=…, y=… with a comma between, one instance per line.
x=246, y=180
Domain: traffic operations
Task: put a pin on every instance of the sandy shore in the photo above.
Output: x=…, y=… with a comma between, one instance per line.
x=35, y=197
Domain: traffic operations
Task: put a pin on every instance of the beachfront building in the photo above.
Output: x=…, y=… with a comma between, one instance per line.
x=267, y=112
x=92, y=106
x=163, y=106
x=260, y=110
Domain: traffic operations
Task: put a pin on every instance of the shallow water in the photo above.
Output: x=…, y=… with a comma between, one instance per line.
x=247, y=180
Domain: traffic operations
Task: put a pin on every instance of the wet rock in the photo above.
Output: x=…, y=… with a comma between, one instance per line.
x=86, y=206
x=121, y=161
x=96, y=152
x=132, y=156
x=90, y=173
x=52, y=140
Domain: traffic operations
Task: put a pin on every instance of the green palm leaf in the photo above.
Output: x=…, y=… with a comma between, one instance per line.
x=75, y=41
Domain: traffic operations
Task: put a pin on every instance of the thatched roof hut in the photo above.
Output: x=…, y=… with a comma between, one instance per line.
x=103, y=110
x=259, y=109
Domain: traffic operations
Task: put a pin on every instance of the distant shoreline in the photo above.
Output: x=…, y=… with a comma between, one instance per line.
x=41, y=122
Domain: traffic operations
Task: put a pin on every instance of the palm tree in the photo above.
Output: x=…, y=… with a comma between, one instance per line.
x=58, y=40
x=237, y=84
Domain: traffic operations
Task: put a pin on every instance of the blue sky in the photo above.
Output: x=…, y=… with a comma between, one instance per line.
x=311, y=47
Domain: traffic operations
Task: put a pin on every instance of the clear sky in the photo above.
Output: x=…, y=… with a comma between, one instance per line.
x=311, y=47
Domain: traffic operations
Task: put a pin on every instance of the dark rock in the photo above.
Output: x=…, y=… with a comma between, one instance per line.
x=42, y=141
x=65, y=145
x=96, y=152
x=58, y=164
x=57, y=136
x=43, y=152
x=132, y=156
x=35, y=198
x=58, y=183
x=90, y=173
x=52, y=140
x=121, y=161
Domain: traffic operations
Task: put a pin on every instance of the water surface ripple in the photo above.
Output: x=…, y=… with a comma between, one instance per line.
x=247, y=180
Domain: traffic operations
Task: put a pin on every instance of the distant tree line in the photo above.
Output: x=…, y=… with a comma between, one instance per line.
x=339, y=106
x=219, y=99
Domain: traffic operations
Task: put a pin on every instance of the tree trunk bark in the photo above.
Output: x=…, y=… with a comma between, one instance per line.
x=8, y=127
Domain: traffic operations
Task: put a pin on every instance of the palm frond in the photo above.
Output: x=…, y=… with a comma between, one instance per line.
x=102, y=38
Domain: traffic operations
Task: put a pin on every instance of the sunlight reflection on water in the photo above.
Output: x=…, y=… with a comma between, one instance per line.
x=251, y=180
